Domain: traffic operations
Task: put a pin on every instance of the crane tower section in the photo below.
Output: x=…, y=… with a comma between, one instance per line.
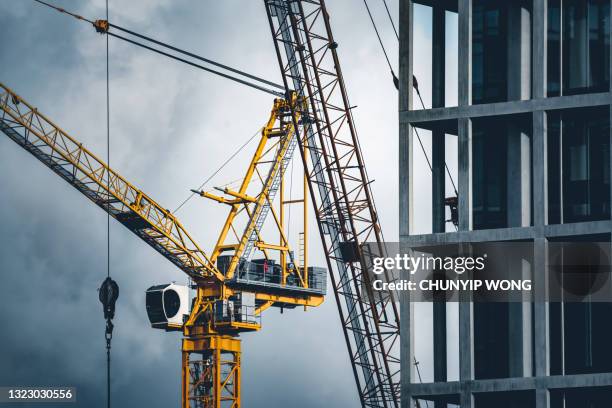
x=340, y=190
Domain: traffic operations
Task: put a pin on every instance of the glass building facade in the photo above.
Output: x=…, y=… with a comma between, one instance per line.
x=533, y=152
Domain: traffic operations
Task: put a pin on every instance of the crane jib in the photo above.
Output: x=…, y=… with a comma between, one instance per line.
x=97, y=181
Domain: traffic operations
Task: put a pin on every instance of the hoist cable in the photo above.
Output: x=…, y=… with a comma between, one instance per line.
x=193, y=64
x=218, y=170
x=108, y=335
x=107, y=151
x=209, y=61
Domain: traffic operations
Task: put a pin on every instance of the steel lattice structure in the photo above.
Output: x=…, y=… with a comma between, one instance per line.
x=101, y=184
x=340, y=190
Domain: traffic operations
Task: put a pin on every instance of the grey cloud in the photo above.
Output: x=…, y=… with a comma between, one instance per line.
x=171, y=126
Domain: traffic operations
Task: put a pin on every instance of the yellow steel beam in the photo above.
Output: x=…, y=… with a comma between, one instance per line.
x=103, y=185
x=263, y=245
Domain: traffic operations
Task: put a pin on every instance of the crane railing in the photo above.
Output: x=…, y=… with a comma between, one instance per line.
x=67, y=157
x=340, y=191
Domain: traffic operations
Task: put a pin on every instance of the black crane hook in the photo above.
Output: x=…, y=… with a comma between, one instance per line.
x=108, y=294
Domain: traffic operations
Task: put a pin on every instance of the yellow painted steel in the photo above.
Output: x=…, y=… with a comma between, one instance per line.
x=211, y=372
x=108, y=189
x=276, y=127
x=211, y=348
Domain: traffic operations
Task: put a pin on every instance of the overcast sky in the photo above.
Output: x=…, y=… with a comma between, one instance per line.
x=171, y=127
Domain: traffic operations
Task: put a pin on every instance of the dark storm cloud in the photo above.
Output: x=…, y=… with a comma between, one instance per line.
x=166, y=124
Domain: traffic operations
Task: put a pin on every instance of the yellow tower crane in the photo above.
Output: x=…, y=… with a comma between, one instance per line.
x=232, y=288
x=315, y=110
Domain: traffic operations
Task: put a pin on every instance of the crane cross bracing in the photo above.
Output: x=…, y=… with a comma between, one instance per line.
x=341, y=195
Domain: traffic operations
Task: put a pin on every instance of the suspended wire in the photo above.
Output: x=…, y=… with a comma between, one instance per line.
x=391, y=19
x=450, y=176
x=219, y=169
x=423, y=148
x=216, y=72
x=209, y=61
x=393, y=73
x=382, y=46
x=396, y=82
x=61, y=10
x=219, y=73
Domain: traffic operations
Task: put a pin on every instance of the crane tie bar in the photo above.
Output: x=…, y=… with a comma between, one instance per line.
x=103, y=27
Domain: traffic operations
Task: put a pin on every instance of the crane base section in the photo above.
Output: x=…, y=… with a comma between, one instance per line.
x=211, y=372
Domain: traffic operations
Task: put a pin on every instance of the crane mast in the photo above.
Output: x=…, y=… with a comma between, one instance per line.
x=340, y=191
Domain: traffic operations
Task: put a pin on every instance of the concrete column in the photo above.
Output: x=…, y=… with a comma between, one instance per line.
x=539, y=55
x=465, y=174
x=519, y=51
x=466, y=352
x=465, y=52
x=438, y=56
x=541, y=320
x=465, y=125
x=540, y=200
x=405, y=130
x=518, y=176
x=438, y=137
x=439, y=349
x=439, y=334
x=521, y=328
x=406, y=345
x=540, y=171
x=405, y=190
x=438, y=180
x=539, y=134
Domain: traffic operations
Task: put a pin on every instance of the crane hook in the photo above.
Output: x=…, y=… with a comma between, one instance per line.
x=108, y=294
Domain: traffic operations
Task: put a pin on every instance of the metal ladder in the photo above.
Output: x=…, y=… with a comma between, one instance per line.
x=274, y=179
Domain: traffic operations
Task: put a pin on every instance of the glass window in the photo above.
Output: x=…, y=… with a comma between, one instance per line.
x=579, y=165
x=489, y=175
x=554, y=47
x=489, y=53
x=578, y=46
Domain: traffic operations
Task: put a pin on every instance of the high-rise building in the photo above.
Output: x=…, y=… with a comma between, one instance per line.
x=530, y=132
